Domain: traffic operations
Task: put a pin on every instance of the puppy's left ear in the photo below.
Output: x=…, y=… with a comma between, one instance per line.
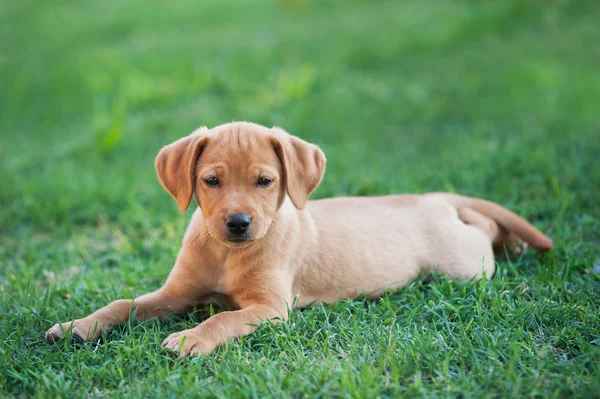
x=303, y=165
x=175, y=166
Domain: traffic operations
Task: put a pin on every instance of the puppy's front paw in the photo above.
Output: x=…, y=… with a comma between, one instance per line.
x=81, y=330
x=189, y=343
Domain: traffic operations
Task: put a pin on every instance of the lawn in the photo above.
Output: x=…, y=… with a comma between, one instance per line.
x=499, y=100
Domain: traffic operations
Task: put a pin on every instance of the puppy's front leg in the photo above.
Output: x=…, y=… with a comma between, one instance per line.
x=156, y=304
x=179, y=294
x=215, y=331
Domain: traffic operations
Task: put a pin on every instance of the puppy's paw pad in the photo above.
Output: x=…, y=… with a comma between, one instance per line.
x=54, y=334
x=172, y=342
x=169, y=352
x=76, y=330
x=520, y=248
x=187, y=343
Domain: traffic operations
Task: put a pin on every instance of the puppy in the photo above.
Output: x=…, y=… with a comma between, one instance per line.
x=256, y=244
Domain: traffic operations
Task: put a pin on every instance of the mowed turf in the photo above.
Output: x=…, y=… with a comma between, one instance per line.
x=492, y=99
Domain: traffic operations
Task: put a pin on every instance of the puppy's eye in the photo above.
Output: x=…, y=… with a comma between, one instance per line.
x=264, y=181
x=211, y=181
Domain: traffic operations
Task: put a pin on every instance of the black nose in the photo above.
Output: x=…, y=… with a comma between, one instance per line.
x=238, y=223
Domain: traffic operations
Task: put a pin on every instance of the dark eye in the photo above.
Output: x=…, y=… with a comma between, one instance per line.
x=211, y=181
x=264, y=181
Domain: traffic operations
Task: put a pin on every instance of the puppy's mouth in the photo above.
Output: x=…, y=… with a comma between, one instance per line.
x=239, y=240
x=233, y=240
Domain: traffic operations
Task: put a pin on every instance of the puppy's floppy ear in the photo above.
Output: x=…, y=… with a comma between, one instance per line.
x=175, y=166
x=303, y=165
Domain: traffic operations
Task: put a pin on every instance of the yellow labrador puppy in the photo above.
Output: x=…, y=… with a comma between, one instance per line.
x=256, y=242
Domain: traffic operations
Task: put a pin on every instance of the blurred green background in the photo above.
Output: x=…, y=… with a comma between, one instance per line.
x=495, y=99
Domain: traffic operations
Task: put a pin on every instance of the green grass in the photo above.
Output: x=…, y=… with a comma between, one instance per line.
x=492, y=99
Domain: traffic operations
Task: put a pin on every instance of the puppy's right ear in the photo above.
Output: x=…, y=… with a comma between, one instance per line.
x=175, y=165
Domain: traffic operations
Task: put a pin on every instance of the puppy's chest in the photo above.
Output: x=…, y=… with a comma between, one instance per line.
x=219, y=299
x=234, y=274
x=220, y=287
x=228, y=275
x=221, y=293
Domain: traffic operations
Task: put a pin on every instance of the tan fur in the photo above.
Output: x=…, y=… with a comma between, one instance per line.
x=315, y=251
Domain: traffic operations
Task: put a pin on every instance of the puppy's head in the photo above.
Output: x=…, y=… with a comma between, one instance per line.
x=239, y=173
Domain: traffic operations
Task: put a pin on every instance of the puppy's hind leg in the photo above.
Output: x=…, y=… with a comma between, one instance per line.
x=474, y=218
x=501, y=238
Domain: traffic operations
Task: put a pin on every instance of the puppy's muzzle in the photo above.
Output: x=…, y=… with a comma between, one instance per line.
x=238, y=226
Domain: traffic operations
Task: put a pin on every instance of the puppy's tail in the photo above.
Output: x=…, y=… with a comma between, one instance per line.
x=508, y=220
